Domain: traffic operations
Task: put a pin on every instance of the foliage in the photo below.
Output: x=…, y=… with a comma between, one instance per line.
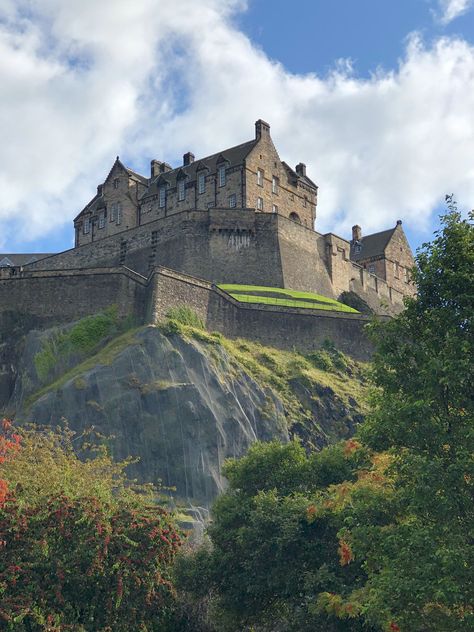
x=79, y=340
x=274, y=542
x=83, y=548
x=420, y=560
x=185, y=316
x=284, y=297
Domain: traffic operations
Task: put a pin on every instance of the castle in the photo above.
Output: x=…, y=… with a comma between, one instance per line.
x=240, y=216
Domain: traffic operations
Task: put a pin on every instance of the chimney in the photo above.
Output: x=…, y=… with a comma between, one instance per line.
x=261, y=129
x=155, y=168
x=301, y=169
x=188, y=158
x=356, y=233
x=164, y=166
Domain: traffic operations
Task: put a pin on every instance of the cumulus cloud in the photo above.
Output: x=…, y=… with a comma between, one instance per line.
x=452, y=9
x=82, y=82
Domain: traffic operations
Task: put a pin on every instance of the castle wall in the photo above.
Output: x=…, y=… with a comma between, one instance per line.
x=55, y=297
x=285, y=328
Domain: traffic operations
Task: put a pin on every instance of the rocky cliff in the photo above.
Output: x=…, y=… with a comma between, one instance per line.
x=182, y=399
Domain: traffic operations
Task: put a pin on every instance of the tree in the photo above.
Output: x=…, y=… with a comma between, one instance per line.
x=419, y=559
x=82, y=548
x=274, y=543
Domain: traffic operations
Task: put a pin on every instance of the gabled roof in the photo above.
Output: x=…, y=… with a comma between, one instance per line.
x=295, y=176
x=372, y=245
x=234, y=156
x=21, y=259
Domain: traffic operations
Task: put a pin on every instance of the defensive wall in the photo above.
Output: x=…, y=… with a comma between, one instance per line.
x=52, y=297
x=236, y=246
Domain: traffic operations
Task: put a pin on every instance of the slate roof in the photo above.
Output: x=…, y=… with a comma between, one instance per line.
x=233, y=156
x=21, y=259
x=372, y=245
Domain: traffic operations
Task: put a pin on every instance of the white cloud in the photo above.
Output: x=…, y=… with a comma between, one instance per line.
x=82, y=82
x=452, y=9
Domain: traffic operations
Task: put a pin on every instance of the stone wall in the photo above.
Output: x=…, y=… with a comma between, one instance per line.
x=55, y=297
x=285, y=328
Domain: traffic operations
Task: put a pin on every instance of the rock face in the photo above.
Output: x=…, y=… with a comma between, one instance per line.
x=165, y=400
x=182, y=404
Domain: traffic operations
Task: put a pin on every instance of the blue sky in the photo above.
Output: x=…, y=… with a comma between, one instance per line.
x=376, y=97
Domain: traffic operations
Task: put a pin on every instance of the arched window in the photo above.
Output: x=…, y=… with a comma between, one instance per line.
x=295, y=217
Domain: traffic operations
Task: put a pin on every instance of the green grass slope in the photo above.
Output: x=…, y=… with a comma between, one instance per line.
x=284, y=297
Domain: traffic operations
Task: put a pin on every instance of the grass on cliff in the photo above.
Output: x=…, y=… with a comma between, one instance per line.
x=105, y=356
x=79, y=341
x=285, y=372
x=284, y=297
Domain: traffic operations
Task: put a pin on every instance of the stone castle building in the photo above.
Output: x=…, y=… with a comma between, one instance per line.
x=240, y=216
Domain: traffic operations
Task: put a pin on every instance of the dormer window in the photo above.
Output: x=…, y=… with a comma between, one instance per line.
x=201, y=183
x=101, y=219
x=162, y=196
x=260, y=177
x=87, y=226
x=357, y=248
x=221, y=176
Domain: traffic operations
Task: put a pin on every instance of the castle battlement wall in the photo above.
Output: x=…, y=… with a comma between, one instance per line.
x=236, y=246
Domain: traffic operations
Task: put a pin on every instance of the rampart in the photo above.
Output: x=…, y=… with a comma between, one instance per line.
x=51, y=297
x=236, y=246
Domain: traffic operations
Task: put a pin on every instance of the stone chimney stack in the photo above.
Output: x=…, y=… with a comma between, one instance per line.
x=155, y=168
x=188, y=158
x=356, y=233
x=261, y=129
x=300, y=169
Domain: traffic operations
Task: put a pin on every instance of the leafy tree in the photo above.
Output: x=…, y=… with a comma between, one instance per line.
x=82, y=548
x=274, y=544
x=420, y=557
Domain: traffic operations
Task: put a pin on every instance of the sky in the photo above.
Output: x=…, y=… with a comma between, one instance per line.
x=375, y=96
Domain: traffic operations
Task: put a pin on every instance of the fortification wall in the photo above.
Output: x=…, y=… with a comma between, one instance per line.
x=285, y=328
x=59, y=296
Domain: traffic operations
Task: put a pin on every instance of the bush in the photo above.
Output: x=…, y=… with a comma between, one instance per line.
x=185, y=316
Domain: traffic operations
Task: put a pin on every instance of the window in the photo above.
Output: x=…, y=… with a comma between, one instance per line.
x=274, y=208
x=260, y=204
x=295, y=217
x=407, y=275
x=101, y=219
x=116, y=183
x=222, y=176
x=181, y=190
x=119, y=213
x=358, y=248
x=395, y=270
x=260, y=177
x=87, y=226
x=162, y=196
x=232, y=200
x=372, y=268
x=275, y=185
x=305, y=201
x=113, y=211
x=202, y=183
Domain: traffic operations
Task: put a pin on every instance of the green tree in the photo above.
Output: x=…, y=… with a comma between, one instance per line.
x=419, y=559
x=274, y=543
x=82, y=548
